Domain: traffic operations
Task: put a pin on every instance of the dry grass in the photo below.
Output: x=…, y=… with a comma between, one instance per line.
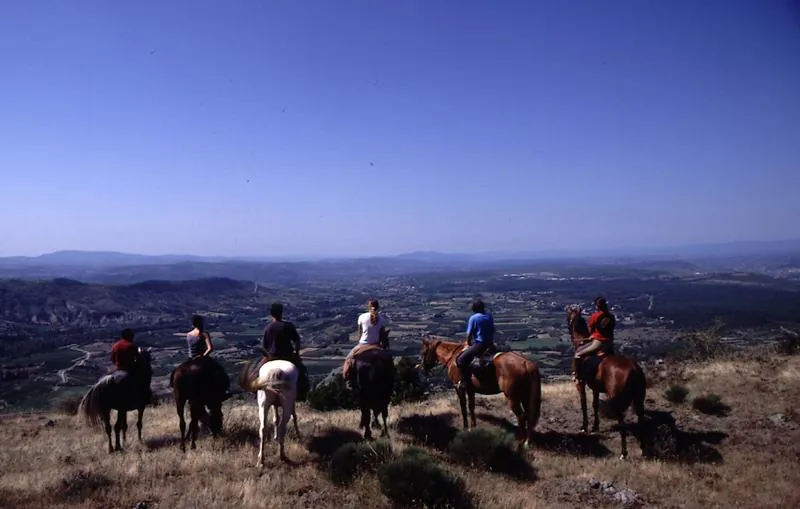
x=746, y=459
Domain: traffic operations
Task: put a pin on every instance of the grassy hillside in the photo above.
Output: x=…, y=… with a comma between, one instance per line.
x=745, y=455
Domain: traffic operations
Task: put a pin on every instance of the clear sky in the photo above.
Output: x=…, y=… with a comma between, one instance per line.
x=376, y=127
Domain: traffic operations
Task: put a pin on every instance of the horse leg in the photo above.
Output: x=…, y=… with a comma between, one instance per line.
x=195, y=409
x=117, y=429
x=294, y=419
x=462, y=401
x=385, y=414
x=124, y=427
x=584, y=411
x=471, y=403
x=106, y=416
x=263, y=408
x=181, y=404
x=595, y=409
x=140, y=414
x=365, y=421
x=623, y=433
x=522, y=418
x=275, y=420
x=281, y=429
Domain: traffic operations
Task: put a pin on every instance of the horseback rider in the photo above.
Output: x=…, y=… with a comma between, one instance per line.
x=124, y=352
x=124, y=355
x=371, y=330
x=200, y=346
x=282, y=341
x=601, y=327
x=480, y=338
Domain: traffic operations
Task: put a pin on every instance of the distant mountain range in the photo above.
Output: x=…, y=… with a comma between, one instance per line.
x=118, y=259
x=115, y=267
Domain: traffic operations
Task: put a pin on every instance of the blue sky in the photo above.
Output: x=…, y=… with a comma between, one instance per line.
x=376, y=127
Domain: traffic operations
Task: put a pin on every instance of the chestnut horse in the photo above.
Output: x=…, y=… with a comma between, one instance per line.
x=512, y=374
x=617, y=376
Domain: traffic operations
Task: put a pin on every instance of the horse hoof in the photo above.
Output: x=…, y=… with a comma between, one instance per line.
x=623, y=457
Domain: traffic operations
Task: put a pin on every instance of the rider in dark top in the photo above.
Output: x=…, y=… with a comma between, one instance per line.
x=282, y=341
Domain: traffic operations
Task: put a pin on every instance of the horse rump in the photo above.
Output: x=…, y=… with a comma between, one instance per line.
x=96, y=398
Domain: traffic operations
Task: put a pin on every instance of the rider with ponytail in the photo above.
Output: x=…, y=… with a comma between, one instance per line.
x=371, y=331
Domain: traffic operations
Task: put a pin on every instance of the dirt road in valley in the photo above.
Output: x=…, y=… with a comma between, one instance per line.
x=62, y=373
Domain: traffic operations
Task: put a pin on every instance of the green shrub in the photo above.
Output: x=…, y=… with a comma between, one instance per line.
x=408, y=384
x=711, y=404
x=354, y=458
x=492, y=449
x=676, y=393
x=332, y=393
x=415, y=480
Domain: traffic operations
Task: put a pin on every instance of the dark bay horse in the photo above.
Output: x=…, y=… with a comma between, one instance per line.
x=201, y=384
x=374, y=371
x=123, y=392
x=618, y=376
x=512, y=374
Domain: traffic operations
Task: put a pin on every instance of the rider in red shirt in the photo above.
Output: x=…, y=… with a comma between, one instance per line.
x=124, y=351
x=601, y=325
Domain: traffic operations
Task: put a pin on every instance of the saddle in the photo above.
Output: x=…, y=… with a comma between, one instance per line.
x=483, y=362
x=350, y=361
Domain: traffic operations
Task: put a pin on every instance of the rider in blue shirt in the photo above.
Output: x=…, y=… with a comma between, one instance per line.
x=480, y=336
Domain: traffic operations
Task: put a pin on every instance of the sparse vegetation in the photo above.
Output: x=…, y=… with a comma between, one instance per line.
x=354, y=458
x=676, y=393
x=491, y=449
x=711, y=404
x=415, y=480
x=744, y=460
x=408, y=384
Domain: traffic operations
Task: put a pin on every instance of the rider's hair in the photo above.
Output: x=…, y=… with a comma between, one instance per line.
x=478, y=306
x=601, y=304
x=197, y=322
x=127, y=334
x=373, y=311
x=276, y=310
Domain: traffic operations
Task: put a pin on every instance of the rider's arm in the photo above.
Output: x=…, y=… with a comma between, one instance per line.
x=209, y=346
x=470, y=329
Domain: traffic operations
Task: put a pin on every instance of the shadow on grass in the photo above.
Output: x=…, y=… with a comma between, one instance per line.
x=434, y=431
x=572, y=444
x=324, y=444
x=162, y=442
x=661, y=439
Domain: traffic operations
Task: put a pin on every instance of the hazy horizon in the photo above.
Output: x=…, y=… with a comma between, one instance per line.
x=266, y=129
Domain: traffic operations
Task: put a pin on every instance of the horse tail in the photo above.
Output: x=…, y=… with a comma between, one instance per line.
x=91, y=404
x=534, y=396
x=247, y=378
x=252, y=381
x=637, y=386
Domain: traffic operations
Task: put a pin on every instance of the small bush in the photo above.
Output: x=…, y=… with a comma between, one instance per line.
x=415, y=480
x=332, y=393
x=408, y=384
x=352, y=459
x=789, y=344
x=68, y=404
x=492, y=449
x=711, y=404
x=676, y=393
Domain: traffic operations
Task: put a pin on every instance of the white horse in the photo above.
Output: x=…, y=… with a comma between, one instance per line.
x=276, y=386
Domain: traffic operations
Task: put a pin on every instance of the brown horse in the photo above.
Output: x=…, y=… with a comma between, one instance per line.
x=202, y=385
x=512, y=374
x=617, y=376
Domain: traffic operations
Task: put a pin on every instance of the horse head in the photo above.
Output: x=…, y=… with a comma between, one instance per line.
x=428, y=355
x=576, y=324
